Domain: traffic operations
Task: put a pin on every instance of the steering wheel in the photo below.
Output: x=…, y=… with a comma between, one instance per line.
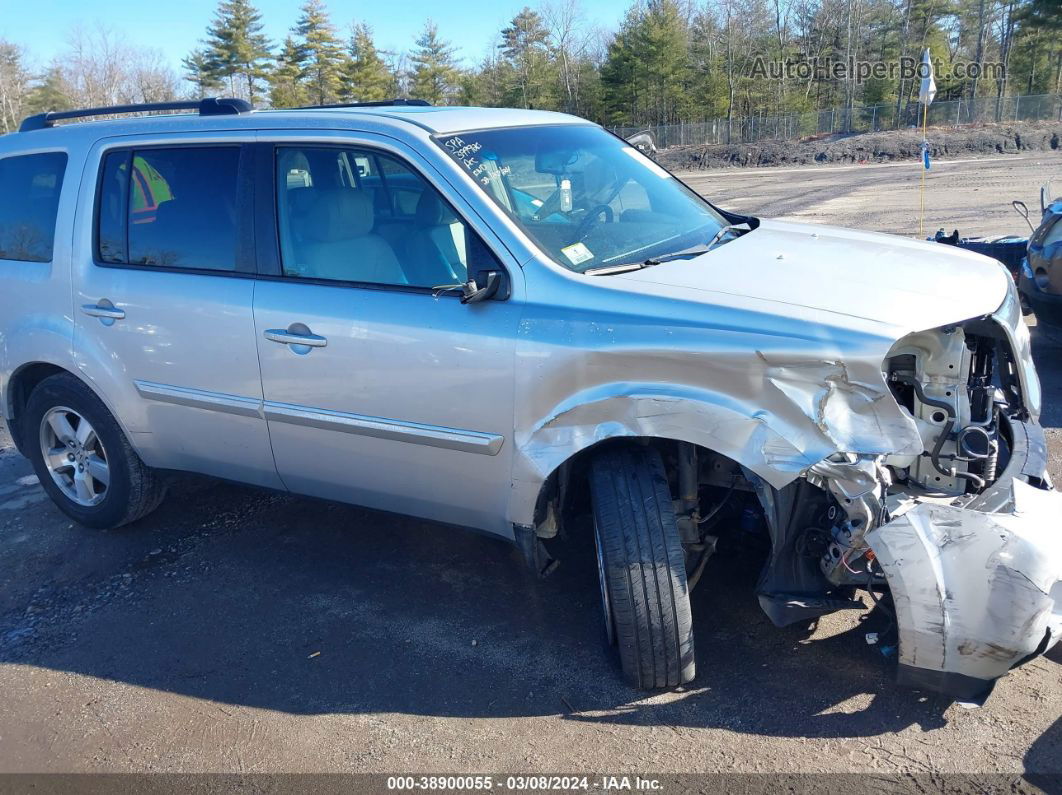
x=590, y=220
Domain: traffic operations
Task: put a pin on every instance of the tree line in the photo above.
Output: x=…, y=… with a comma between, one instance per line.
x=668, y=61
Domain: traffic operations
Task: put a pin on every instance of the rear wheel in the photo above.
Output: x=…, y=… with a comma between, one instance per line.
x=642, y=569
x=83, y=459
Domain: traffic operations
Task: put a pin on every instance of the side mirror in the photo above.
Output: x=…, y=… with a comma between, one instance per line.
x=472, y=293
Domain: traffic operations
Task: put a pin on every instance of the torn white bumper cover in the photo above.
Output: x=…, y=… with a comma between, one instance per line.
x=977, y=588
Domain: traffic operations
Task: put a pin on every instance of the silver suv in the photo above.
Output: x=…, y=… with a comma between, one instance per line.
x=509, y=320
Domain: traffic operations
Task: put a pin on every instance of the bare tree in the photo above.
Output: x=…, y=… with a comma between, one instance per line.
x=570, y=40
x=101, y=69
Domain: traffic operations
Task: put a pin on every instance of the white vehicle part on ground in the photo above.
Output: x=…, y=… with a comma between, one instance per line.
x=975, y=592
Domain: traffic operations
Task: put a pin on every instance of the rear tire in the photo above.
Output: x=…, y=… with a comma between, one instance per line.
x=125, y=488
x=642, y=568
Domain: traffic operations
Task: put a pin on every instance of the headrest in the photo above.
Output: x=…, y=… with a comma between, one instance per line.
x=432, y=211
x=339, y=214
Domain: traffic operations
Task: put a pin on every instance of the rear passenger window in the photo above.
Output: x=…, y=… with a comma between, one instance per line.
x=29, y=200
x=173, y=208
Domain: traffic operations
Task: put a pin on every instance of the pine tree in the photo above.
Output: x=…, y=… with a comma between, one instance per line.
x=620, y=90
x=323, y=50
x=1043, y=14
x=288, y=80
x=365, y=75
x=198, y=72
x=52, y=92
x=435, y=75
x=237, y=51
x=646, y=75
x=524, y=44
x=488, y=83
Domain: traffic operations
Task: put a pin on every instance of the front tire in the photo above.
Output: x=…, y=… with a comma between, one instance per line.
x=83, y=459
x=642, y=568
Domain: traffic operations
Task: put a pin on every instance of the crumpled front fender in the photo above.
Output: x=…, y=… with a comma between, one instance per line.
x=976, y=591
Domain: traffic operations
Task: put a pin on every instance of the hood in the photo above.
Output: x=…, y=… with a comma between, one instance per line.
x=883, y=278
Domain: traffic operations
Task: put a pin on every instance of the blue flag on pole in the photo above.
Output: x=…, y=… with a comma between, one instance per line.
x=925, y=155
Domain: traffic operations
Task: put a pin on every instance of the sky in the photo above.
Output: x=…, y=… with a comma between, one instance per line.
x=174, y=28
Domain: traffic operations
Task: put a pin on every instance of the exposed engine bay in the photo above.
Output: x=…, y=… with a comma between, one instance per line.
x=957, y=383
x=946, y=537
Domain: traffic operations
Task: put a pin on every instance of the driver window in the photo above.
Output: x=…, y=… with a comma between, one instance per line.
x=361, y=216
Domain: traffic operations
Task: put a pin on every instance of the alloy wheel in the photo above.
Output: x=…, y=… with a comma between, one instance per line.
x=74, y=456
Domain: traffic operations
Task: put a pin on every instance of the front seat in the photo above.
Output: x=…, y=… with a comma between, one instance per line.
x=434, y=258
x=339, y=243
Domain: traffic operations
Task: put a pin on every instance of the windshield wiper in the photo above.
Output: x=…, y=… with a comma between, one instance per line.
x=605, y=270
x=692, y=251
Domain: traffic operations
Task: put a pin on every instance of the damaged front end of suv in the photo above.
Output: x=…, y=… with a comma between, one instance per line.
x=865, y=404
x=962, y=531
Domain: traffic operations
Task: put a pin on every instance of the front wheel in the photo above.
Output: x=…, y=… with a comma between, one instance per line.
x=641, y=568
x=83, y=459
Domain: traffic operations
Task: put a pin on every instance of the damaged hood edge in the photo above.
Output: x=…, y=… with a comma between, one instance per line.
x=883, y=278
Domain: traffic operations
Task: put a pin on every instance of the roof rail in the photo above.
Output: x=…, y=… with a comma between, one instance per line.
x=377, y=103
x=212, y=106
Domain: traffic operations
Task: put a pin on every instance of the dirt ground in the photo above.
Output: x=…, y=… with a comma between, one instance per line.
x=971, y=195
x=242, y=631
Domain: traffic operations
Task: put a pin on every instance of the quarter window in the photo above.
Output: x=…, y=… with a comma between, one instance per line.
x=360, y=216
x=174, y=208
x=29, y=201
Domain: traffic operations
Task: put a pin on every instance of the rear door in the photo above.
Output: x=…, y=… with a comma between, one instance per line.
x=381, y=388
x=164, y=288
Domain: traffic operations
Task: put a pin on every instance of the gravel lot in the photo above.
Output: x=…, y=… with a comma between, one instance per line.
x=189, y=642
x=971, y=195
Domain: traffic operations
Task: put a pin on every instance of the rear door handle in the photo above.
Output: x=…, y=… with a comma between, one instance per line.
x=105, y=311
x=289, y=337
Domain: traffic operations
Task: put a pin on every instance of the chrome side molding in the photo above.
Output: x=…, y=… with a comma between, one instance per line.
x=200, y=399
x=466, y=441
x=381, y=428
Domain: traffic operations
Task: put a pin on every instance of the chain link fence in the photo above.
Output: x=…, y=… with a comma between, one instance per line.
x=858, y=119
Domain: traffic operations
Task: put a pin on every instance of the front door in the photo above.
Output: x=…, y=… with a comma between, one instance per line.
x=381, y=388
x=164, y=326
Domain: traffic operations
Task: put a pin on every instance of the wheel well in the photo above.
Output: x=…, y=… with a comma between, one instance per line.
x=565, y=492
x=23, y=382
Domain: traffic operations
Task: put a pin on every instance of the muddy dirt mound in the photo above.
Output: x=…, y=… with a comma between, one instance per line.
x=876, y=147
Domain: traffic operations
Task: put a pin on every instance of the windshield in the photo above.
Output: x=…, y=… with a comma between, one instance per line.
x=585, y=197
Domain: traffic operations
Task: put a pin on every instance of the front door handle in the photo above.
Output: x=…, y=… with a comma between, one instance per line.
x=105, y=311
x=296, y=334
